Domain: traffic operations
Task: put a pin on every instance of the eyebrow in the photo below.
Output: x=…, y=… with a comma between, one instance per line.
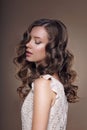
x=37, y=37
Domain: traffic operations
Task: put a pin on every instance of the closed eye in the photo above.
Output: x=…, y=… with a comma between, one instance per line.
x=37, y=42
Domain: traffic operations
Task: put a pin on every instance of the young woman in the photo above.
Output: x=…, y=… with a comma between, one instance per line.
x=45, y=71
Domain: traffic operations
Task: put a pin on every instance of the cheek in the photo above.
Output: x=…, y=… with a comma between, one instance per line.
x=41, y=50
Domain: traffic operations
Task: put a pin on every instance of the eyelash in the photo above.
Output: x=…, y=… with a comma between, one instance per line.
x=37, y=42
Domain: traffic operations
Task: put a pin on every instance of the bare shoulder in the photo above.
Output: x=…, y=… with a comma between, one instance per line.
x=42, y=85
x=42, y=82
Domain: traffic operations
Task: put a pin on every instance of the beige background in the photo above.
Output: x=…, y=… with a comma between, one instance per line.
x=15, y=17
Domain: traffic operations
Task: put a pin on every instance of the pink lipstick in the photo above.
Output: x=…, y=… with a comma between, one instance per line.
x=28, y=53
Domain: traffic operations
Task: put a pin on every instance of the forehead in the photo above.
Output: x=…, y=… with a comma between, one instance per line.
x=39, y=32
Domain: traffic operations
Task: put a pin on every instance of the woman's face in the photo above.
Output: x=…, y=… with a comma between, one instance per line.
x=35, y=48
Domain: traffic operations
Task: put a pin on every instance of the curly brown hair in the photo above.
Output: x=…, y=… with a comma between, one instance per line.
x=58, y=59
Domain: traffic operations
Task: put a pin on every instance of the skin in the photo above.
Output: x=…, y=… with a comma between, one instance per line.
x=35, y=51
x=44, y=97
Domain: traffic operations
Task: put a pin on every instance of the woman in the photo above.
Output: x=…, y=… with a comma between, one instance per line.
x=45, y=71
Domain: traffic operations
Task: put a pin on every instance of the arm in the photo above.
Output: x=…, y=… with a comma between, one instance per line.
x=42, y=104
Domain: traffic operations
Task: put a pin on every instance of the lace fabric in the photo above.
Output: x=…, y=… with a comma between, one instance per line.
x=58, y=112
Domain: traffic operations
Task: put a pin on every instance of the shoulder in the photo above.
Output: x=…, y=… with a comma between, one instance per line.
x=42, y=86
x=42, y=82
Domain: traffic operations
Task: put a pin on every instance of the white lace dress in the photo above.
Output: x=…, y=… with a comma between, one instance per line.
x=58, y=112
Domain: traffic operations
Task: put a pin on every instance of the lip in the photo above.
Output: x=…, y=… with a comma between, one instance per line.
x=28, y=53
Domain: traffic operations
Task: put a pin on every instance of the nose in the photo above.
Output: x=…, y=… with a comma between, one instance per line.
x=29, y=44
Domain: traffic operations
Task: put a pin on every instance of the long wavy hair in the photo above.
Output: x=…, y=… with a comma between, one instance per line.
x=58, y=59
